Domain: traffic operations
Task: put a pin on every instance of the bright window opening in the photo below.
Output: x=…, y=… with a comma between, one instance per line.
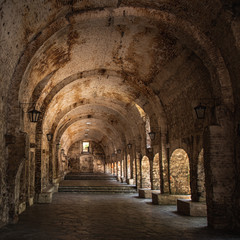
x=85, y=146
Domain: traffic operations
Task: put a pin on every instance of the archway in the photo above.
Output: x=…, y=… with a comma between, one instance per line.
x=128, y=166
x=179, y=172
x=145, y=172
x=156, y=173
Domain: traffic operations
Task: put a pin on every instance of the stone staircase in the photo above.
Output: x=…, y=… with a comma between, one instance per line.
x=94, y=183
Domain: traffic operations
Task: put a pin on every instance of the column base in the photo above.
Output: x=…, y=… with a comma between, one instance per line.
x=167, y=199
x=189, y=208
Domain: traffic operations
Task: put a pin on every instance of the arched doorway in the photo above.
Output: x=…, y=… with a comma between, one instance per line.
x=145, y=172
x=179, y=172
x=156, y=173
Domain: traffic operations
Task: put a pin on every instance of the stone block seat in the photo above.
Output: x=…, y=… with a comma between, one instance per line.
x=46, y=195
x=146, y=192
x=190, y=208
x=167, y=199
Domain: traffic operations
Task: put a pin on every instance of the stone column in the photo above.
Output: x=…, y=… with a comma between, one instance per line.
x=138, y=170
x=164, y=164
x=219, y=174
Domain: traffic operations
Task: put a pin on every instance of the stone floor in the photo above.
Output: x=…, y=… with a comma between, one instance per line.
x=74, y=216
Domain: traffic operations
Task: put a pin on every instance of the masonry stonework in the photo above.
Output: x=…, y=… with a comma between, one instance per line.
x=109, y=73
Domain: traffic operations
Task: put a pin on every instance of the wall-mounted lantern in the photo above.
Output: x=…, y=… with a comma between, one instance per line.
x=152, y=135
x=129, y=146
x=49, y=137
x=119, y=151
x=33, y=115
x=200, y=111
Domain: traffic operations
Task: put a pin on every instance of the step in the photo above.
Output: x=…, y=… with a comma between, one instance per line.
x=79, y=177
x=110, y=189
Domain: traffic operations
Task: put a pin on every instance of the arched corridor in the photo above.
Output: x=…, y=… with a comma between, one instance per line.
x=146, y=91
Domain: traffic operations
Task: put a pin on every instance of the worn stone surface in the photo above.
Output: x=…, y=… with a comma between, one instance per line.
x=74, y=216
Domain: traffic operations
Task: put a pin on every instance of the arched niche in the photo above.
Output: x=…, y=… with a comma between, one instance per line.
x=128, y=166
x=201, y=177
x=156, y=173
x=119, y=169
x=145, y=170
x=134, y=171
x=179, y=172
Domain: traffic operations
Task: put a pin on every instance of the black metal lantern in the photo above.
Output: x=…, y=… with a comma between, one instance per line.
x=200, y=111
x=119, y=151
x=129, y=146
x=152, y=135
x=49, y=137
x=34, y=115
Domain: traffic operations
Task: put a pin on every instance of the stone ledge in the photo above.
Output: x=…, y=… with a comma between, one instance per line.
x=189, y=208
x=167, y=199
x=146, y=192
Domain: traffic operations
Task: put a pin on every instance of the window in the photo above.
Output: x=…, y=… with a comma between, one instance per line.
x=85, y=146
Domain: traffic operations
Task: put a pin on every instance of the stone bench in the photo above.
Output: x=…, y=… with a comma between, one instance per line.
x=167, y=199
x=130, y=181
x=146, y=192
x=46, y=195
x=189, y=208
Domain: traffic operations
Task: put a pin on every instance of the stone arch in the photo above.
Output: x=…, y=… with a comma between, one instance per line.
x=179, y=172
x=156, y=173
x=201, y=177
x=145, y=172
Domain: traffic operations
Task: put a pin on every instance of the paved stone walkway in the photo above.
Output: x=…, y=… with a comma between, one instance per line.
x=74, y=216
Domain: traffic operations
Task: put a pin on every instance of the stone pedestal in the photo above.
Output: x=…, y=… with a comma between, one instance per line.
x=130, y=181
x=189, y=208
x=167, y=199
x=146, y=192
